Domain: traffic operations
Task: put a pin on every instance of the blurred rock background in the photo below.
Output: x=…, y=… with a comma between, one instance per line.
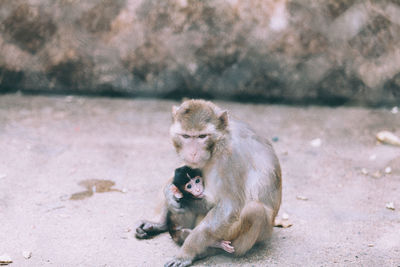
x=287, y=51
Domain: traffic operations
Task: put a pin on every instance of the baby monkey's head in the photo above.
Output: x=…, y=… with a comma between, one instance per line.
x=188, y=183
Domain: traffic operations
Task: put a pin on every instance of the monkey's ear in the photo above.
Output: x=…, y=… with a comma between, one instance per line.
x=176, y=192
x=174, y=111
x=223, y=120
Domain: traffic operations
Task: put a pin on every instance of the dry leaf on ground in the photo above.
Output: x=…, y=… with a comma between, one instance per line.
x=390, y=206
x=388, y=138
x=5, y=259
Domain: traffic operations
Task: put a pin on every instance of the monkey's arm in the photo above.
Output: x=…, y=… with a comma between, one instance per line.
x=147, y=229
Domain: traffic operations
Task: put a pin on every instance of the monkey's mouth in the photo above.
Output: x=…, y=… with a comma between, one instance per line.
x=201, y=195
x=192, y=164
x=197, y=163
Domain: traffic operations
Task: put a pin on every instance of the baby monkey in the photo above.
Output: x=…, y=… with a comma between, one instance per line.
x=188, y=189
x=187, y=185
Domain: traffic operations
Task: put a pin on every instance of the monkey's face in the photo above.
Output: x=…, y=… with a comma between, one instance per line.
x=193, y=148
x=195, y=187
x=197, y=127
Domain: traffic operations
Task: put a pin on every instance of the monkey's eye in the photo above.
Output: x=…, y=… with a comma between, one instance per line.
x=197, y=181
x=185, y=136
x=202, y=136
x=189, y=186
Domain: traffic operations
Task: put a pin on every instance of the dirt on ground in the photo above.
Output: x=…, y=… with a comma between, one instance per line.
x=76, y=174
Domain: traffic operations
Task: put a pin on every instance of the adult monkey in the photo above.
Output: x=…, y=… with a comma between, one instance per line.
x=242, y=179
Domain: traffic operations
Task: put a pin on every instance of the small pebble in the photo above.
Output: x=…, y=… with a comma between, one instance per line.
x=377, y=174
x=390, y=206
x=370, y=245
x=282, y=223
x=395, y=110
x=27, y=254
x=364, y=171
x=285, y=216
x=302, y=198
x=316, y=142
x=275, y=139
x=388, y=170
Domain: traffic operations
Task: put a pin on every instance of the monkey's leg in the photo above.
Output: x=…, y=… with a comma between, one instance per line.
x=253, y=225
x=198, y=244
x=147, y=229
x=179, y=236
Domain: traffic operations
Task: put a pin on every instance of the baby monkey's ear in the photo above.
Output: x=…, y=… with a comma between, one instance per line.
x=177, y=193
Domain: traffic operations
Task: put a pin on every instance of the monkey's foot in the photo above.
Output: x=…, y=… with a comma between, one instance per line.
x=226, y=245
x=177, y=262
x=146, y=230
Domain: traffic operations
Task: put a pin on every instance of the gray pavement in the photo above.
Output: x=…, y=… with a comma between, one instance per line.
x=54, y=147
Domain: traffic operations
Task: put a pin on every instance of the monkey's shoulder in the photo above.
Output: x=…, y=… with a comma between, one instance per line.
x=243, y=132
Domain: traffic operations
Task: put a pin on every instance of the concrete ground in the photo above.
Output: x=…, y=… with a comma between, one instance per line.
x=52, y=148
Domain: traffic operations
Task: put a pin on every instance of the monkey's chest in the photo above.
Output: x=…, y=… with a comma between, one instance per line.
x=182, y=220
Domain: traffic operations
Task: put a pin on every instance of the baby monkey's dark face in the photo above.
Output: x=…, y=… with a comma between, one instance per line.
x=189, y=182
x=195, y=187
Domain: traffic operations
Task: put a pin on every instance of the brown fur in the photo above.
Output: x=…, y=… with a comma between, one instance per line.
x=197, y=114
x=242, y=177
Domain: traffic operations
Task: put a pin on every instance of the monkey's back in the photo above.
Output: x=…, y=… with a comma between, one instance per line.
x=262, y=174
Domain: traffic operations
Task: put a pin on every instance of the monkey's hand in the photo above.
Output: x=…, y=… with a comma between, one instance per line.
x=178, y=262
x=172, y=201
x=146, y=229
